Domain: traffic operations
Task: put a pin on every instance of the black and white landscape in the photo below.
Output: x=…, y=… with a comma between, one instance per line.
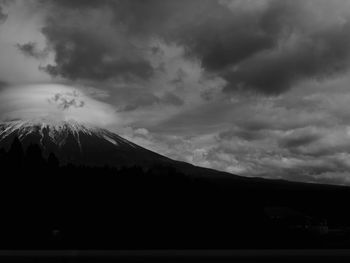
x=67, y=185
x=186, y=124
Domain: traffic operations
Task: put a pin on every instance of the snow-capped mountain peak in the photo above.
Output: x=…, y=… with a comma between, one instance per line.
x=57, y=131
x=75, y=142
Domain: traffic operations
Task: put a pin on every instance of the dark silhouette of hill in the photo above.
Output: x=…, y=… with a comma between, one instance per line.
x=49, y=205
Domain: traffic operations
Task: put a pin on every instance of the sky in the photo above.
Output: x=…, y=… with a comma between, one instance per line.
x=251, y=87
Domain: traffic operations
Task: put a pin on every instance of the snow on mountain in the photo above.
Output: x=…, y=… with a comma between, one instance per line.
x=58, y=132
x=77, y=143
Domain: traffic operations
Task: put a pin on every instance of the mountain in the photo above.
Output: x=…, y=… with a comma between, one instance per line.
x=77, y=143
x=169, y=205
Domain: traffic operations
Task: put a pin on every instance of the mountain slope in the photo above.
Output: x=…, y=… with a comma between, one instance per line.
x=77, y=143
x=79, y=207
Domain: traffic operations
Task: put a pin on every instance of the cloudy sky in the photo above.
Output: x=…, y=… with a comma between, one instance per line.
x=252, y=87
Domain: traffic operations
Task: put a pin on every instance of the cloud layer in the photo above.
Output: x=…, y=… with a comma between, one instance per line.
x=266, y=46
x=258, y=88
x=54, y=102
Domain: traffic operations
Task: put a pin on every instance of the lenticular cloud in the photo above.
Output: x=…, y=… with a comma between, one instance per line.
x=56, y=102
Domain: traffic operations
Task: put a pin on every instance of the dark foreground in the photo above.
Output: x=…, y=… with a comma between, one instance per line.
x=165, y=256
x=45, y=207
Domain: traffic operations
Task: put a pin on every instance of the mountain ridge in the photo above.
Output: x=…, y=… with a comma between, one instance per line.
x=78, y=143
x=88, y=145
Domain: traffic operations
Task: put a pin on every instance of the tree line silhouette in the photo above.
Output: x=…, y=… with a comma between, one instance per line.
x=17, y=158
x=48, y=204
x=19, y=161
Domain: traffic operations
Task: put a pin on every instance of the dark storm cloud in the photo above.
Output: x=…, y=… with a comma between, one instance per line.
x=300, y=140
x=30, y=49
x=267, y=46
x=90, y=45
x=83, y=52
x=3, y=16
x=3, y=84
x=78, y=3
x=325, y=54
x=244, y=48
x=79, y=54
x=270, y=51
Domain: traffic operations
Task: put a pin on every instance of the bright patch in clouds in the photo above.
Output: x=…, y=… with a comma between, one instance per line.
x=54, y=102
